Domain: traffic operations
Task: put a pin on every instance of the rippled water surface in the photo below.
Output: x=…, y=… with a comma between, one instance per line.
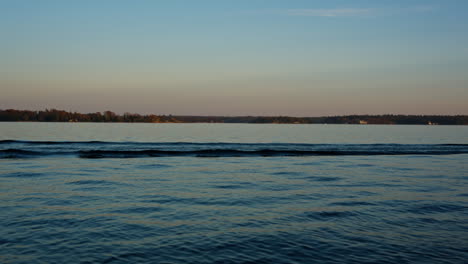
x=212, y=193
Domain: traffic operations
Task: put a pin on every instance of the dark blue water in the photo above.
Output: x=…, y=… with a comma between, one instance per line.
x=257, y=198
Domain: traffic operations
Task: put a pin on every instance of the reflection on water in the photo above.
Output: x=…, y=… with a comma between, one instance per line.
x=237, y=133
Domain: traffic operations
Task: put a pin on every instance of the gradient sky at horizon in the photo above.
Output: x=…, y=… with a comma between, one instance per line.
x=245, y=57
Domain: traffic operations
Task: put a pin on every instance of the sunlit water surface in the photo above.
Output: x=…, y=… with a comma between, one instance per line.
x=58, y=205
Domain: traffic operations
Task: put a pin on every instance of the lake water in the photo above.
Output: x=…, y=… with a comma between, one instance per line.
x=232, y=193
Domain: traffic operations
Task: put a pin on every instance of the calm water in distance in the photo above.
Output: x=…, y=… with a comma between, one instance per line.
x=226, y=209
x=237, y=133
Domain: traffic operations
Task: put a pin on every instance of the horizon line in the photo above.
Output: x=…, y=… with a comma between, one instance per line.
x=247, y=115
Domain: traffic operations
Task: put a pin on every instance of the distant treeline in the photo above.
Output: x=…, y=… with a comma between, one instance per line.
x=54, y=115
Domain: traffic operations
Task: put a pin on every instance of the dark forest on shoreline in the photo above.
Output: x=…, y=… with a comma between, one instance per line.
x=54, y=115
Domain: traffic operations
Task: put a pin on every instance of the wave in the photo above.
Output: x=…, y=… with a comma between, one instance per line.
x=242, y=153
x=17, y=153
x=100, y=149
x=204, y=153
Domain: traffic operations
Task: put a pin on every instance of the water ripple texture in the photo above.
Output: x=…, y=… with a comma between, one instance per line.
x=199, y=202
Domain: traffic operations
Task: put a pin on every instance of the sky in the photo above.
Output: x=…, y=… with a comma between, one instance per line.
x=235, y=57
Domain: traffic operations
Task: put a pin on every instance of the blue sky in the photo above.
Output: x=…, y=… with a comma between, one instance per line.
x=253, y=57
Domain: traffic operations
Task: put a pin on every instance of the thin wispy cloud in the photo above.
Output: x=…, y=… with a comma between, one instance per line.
x=336, y=12
x=353, y=12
